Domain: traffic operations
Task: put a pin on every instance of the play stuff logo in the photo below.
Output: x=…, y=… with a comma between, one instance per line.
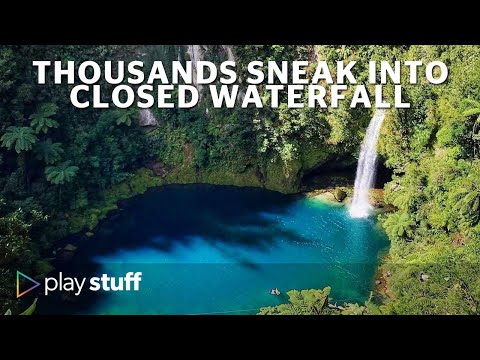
x=131, y=281
x=34, y=282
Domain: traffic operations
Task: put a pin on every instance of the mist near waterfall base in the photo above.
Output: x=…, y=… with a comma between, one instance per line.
x=366, y=168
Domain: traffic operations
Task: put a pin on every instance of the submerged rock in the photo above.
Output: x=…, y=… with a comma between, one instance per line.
x=339, y=194
x=66, y=253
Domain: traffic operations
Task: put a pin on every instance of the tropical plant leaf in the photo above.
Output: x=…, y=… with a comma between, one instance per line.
x=48, y=152
x=472, y=111
x=31, y=308
x=125, y=116
x=61, y=173
x=19, y=138
x=41, y=120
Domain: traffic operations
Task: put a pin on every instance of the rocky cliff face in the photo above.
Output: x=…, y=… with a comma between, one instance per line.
x=226, y=140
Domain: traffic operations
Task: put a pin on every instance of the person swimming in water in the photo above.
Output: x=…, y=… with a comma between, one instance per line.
x=275, y=291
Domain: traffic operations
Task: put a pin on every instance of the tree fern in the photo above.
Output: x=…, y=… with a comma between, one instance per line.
x=125, y=116
x=20, y=138
x=48, y=152
x=61, y=174
x=41, y=120
x=471, y=107
x=468, y=206
x=399, y=225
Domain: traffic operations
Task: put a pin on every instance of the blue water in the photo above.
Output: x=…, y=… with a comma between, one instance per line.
x=219, y=250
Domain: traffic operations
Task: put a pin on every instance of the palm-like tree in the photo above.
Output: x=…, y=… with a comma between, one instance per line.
x=309, y=302
x=125, y=116
x=468, y=205
x=41, y=120
x=48, y=152
x=304, y=302
x=61, y=174
x=472, y=108
x=399, y=225
x=20, y=138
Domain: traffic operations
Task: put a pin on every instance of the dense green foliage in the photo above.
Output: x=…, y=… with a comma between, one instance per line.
x=433, y=149
x=317, y=302
x=55, y=159
x=66, y=168
x=17, y=248
x=304, y=302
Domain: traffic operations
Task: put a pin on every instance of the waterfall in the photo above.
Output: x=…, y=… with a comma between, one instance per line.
x=366, y=167
x=229, y=52
x=147, y=118
x=196, y=53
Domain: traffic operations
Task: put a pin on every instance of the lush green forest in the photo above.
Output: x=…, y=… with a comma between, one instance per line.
x=63, y=169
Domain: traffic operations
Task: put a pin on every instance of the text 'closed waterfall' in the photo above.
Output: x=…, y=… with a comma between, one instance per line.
x=366, y=168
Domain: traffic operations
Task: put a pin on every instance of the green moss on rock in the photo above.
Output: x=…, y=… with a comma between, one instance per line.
x=283, y=180
x=219, y=177
x=313, y=155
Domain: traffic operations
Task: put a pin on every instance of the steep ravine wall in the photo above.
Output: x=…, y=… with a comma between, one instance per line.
x=270, y=174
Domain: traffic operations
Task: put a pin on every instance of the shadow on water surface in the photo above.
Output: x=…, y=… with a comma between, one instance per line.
x=174, y=215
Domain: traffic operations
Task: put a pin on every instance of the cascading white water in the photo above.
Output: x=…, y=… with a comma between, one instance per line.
x=366, y=167
x=146, y=118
